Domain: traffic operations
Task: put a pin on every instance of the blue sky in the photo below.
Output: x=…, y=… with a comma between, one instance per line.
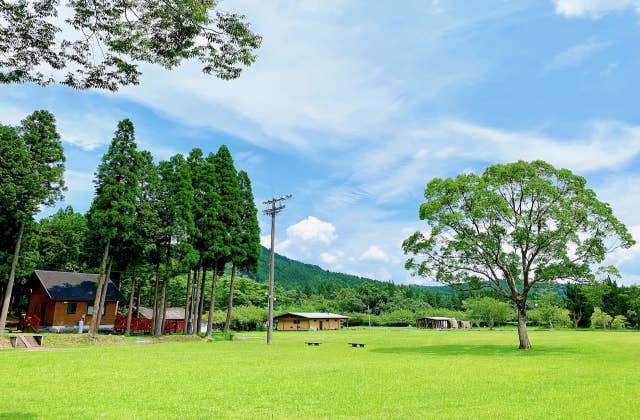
x=353, y=106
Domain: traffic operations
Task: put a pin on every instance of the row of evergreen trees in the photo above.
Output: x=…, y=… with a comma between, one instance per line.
x=31, y=168
x=182, y=215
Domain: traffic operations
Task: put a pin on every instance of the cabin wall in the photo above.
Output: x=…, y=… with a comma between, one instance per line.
x=37, y=299
x=62, y=318
x=289, y=324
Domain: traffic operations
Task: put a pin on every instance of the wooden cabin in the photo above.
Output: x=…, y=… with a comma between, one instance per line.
x=441, y=323
x=60, y=299
x=436, y=322
x=305, y=321
x=173, y=318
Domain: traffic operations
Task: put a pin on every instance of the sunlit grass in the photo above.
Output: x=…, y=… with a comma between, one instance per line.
x=401, y=373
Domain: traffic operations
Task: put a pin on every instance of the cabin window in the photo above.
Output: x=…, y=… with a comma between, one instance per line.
x=89, y=309
x=296, y=321
x=71, y=308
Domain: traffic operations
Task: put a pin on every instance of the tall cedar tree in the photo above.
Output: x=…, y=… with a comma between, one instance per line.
x=38, y=150
x=512, y=228
x=139, y=247
x=177, y=198
x=113, y=212
x=211, y=228
x=248, y=249
x=226, y=239
x=201, y=185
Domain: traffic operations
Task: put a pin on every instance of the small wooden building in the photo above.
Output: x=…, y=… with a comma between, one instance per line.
x=173, y=318
x=61, y=299
x=436, y=322
x=304, y=321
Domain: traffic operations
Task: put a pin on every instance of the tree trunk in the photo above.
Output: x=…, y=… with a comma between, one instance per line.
x=163, y=308
x=138, y=301
x=154, y=315
x=212, y=305
x=12, y=277
x=186, y=303
x=201, y=304
x=194, y=300
x=93, y=326
x=522, y=328
x=132, y=293
x=103, y=296
x=227, y=322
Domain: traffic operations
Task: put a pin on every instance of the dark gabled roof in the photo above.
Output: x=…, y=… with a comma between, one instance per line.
x=61, y=285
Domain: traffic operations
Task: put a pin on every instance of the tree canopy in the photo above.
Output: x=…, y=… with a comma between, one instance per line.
x=100, y=44
x=511, y=228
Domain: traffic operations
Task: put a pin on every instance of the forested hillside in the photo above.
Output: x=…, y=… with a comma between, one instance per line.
x=295, y=275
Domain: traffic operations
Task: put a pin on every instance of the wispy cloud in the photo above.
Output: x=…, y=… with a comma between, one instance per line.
x=594, y=8
x=403, y=165
x=578, y=54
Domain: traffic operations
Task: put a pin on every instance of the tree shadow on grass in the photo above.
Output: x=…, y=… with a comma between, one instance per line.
x=489, y=350
x=18, y=415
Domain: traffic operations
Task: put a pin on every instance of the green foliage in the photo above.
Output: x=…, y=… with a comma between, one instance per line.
x=108, y=39
x=399, y=318
x=224, y=238
x=61, y=240
x=488, y=311
x=579, y=306
x=548, y=312
x=249, y=249
x=600, y=319
x=513, y=227
x=31, y=169
x=113, y=210
x=618, y=322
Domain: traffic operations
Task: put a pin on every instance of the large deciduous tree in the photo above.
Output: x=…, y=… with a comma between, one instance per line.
x=113, y=212
x=99, y=44
x=31, y=168
x=511, y=228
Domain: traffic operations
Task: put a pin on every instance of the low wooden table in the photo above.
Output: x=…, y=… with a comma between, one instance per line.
x=357, y=344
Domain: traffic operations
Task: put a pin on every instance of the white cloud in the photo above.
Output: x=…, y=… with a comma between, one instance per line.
x=621, y=192
x=265, y=241
x=594, y=8
x=331, y=257
x=313, y=229
x=374, y=253
x=577, y=54
x=622, y=256
x=403, y=165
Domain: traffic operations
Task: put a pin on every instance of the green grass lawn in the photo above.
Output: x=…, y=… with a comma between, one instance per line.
x=401, y=373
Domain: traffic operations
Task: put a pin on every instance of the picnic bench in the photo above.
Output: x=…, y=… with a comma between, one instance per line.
x=356, y=344
x=312, y=343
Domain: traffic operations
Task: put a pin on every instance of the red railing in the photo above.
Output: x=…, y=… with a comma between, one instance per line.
x=144, y=325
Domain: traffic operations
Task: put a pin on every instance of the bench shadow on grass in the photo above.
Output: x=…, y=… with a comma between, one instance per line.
x=489, y=350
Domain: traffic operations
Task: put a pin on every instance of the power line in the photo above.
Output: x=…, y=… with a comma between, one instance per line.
x=275, y=206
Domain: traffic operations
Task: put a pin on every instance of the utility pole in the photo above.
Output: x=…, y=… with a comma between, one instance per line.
x=275, y=206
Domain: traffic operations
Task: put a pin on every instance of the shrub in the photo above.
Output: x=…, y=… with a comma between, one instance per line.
x=600, y=319
x=620, y=321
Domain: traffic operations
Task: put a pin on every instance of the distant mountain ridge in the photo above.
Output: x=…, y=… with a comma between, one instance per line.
x=295, y=275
